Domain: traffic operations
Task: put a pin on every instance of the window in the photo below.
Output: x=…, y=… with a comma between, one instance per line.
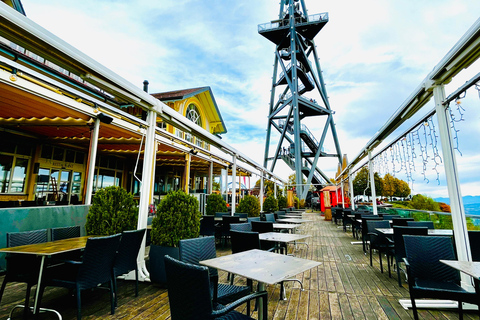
x=108, y=173
x=14, y=159
x=193, y=115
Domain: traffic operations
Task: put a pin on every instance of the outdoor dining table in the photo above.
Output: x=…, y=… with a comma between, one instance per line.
x=294, y=220
x=472, y=268
x=44, y=250
x=262, y=266
x=431, y=232
x=280, y=237
x=285, y=226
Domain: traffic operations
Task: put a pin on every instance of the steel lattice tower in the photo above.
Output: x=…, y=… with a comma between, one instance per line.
x=300, y=72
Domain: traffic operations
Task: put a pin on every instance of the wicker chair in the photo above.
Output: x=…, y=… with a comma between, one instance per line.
x=207, y=226
x=428, y=277
x=64, y=233
x=378, y=241
x=247, y=226
x=190, y=297
x=474, y=237
x=428, y=224
x=198, y=249
x=126, y=257
x=364, y=229
x=399, y=245
x=95, y=268
x=22, y=268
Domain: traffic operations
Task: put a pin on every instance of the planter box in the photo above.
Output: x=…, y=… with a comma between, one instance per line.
x=157, y=264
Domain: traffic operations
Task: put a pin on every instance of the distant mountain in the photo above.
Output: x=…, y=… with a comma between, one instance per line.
x=466, y=200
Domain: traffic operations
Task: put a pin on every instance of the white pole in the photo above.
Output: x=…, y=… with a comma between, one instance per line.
x=210, y=179
x=234, y=176
x=343, y=194
x=352, y=194
x=462, y=242
x=372, y=182
x=91, y=164
x=145, y=187
x=261, y=191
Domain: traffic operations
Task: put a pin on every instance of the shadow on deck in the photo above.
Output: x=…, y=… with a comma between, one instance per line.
x=345, y=286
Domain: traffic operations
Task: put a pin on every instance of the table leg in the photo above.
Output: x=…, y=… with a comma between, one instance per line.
x=39, y=282
x=261, y=287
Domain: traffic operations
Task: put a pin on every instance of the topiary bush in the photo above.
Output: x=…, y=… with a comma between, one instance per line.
x=282, y=201
x=215, y=203
x=177, y=218
x=113, y=210
x=250, y=205
x=270, y=204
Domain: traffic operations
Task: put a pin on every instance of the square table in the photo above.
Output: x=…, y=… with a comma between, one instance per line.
x=285, y=226
x=294, y=220
x=431, y=232
x=280, y=237
x=472, y=268
x=44, y=250
x=262, y=266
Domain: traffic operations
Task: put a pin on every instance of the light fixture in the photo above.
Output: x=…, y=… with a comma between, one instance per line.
x=104, y=118
x=193, y=151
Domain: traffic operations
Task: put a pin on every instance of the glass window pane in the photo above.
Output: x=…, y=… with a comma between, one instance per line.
x=25, y=150
x=103, y=162
x=79, y=158
x=58, y=154
x=47, y=152
x=70, y=156
x=19, y=176
x=5, y=168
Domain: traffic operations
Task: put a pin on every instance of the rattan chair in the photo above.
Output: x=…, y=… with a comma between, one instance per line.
x=198, y=249
x=247, y=226
x=190, y=297
x=428, y=277
x=399, y=245
x=64, y=233
x=378, y=241
x=207, y=226
x=428, y=224
x=95, y=268
x=23, y=268
x=126, y=257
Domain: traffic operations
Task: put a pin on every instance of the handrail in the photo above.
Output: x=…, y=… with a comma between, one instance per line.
x=319, y=17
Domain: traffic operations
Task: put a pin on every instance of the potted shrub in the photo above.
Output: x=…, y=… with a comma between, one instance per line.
x=177, y=218
x=282, y=201
x=113, y=210
x=270, y=204
x=250, y=205
x=215, y=203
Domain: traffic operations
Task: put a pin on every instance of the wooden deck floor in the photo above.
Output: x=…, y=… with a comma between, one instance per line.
x=344, y=286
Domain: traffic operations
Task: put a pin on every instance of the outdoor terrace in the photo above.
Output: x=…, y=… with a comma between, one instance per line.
x=344, y=286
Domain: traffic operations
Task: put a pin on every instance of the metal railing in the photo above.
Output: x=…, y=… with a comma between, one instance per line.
x=319, y=17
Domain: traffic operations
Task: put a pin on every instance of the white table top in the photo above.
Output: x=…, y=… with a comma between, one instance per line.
x=294, y=220
x=431, y=232
x=472, y=268
x=282, y=237
x=295, y=216
x=262, y=266
x=284, y=226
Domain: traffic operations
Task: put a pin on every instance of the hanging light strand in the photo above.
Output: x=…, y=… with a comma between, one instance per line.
x=454, y=119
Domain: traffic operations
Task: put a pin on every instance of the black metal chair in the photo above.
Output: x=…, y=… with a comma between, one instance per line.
x=247, y=226
x=347, y=221
x=474, y=237
x=390, y=217
x=243, y=240
x=23, y=268
x=190, y=297
x=64, y=233
x=250, y=219
x=263, y=227
x=428, y=277
x=364, y=229
x=378, y=241
x=207, y=226
x=428, y=224
x=337, y=214
x=221, y=214
x=198, y=249
x=95, y=268
x=270, y=217
x=398, y=251
x=126, y=257
x=401, y=221
x=241, y=215
x=223, y=232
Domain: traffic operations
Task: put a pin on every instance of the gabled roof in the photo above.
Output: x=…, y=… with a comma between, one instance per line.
x=204, y=94
x=15, y=4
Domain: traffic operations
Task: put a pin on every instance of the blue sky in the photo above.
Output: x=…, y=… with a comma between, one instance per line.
x=373, y=55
